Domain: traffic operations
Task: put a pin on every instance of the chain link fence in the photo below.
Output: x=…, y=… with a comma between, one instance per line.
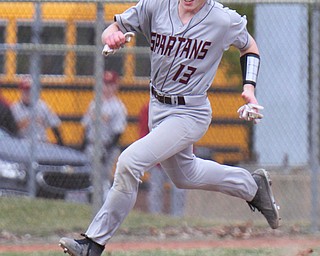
x=57, y=45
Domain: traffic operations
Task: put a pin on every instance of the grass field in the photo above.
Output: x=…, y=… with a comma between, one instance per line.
x=24, y=221
x=42, y=218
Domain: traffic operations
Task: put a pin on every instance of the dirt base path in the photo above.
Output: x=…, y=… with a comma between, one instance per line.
x=298, y=243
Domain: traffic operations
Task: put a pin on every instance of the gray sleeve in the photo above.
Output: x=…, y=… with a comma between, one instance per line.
x=85, y=120
x=119, y=119
x=136, y=18
x=237, y=35
x=14, y=109
x=52, y=118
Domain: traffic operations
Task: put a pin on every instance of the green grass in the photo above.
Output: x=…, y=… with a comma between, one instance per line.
x=40, y=218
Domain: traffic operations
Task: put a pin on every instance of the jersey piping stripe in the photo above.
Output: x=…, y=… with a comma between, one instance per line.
x=245, y=46
x=199, y=21
x=123, y=24
x=170, y=17
x=172, y=29
x=183, y=35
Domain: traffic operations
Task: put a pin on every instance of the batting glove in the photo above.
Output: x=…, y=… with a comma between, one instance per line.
x=250, y=112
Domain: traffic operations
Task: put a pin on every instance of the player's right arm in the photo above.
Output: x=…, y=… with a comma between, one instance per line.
x=113, y=37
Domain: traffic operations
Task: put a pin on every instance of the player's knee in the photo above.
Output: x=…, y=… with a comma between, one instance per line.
x=126, y=178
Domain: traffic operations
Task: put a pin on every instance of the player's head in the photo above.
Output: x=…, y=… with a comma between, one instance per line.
x=111, y=78
x=192, y=6
x=25, y=87
x=111, y=82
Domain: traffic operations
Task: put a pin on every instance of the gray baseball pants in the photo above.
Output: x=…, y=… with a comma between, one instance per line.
x=174, y=131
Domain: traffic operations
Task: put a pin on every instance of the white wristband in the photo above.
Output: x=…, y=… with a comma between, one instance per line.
x=250, y=64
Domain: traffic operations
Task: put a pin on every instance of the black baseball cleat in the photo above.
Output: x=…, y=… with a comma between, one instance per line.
x=82, y=247
x=264, y=200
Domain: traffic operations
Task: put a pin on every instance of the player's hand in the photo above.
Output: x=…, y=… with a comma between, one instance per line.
x=250, y=111
x=115, y=41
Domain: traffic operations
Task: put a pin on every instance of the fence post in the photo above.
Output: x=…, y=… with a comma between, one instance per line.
x=315, y=120
x=99, y=68
x=35, y=92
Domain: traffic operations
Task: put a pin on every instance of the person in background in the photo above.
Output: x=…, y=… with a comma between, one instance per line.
x=113, y=123
x=158, y=178
x=44, y=117
x=7, y=121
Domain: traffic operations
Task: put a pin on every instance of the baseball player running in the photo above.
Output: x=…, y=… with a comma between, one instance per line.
x=187, y=40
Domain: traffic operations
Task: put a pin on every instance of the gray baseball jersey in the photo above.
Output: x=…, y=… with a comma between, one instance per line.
x=45, y=118
x=185, y=58
x=113, y=119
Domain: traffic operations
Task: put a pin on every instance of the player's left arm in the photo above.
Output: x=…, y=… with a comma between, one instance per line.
x=250, y=63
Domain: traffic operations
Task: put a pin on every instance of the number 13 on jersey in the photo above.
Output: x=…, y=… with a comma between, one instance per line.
x=184, y=74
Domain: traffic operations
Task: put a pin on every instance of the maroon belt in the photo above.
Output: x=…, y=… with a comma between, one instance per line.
x=168, y=99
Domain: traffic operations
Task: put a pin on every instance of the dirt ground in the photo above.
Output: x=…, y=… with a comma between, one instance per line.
x=301, y=245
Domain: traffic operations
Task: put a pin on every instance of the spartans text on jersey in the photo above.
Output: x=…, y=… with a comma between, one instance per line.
x=179, y=46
